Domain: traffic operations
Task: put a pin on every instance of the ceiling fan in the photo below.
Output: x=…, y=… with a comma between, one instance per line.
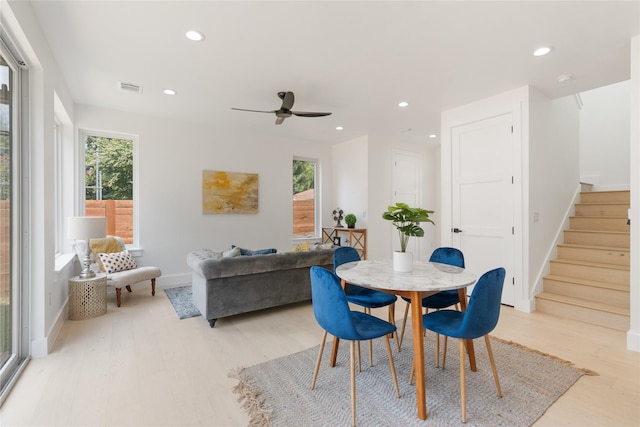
x=285, y=110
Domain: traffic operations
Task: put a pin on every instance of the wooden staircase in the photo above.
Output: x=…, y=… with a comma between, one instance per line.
x=589, y=280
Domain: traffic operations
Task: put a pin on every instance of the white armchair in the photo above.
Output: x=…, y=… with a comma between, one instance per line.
x=111, y=257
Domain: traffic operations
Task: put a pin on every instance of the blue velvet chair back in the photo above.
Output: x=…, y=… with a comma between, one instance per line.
x=483, y=311
x=451, y=256
x=330, y=304
x=343, y=255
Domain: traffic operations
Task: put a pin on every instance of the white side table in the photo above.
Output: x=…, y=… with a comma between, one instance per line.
x=87, y=297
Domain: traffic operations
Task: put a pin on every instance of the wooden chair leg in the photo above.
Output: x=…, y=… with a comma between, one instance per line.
x=437, y=350
x=353, y=385
x=128, y=288
x=153, y=287
x=444, y=351
x=317, y=369
x=404, y=325
x=118, y=296
x=493, y=365
x=393, y=367
x=463, y=387
x=359, y=358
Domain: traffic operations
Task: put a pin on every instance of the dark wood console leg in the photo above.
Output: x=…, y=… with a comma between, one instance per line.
x=128, y=288
x=153, y=287
x=118, y=296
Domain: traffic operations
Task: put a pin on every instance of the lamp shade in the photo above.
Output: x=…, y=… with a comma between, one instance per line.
x=86, y=227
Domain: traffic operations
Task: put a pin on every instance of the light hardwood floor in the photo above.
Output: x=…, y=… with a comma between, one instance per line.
x=139, y=365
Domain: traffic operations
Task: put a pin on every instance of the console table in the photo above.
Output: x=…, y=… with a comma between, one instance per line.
x=356, y=237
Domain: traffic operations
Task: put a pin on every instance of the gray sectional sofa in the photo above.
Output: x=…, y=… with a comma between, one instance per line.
x=227, y=286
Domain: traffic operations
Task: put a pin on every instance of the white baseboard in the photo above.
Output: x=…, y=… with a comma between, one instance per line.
x=633, y=341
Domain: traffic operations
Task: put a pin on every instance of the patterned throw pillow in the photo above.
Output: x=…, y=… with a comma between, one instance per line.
x=117, y=261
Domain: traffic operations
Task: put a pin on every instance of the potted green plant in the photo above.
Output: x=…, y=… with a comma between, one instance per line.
x=407, y=221
x=350, y=220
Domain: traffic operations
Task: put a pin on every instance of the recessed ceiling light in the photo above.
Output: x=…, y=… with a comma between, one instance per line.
x=433, y=135
x=403, y=104
x=194, y=35
x=565, y=78
x=169, y=92
x=339, y=128
x=541, y=51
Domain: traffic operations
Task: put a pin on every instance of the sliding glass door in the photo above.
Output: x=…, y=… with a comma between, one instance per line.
x=11, y=333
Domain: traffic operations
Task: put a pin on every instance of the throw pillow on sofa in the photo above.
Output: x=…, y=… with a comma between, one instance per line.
x=222, y=254
x=249, y=252
x=117, y=261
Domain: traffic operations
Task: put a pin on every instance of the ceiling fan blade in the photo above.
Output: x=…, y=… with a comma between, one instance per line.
x=254, y=111
x=309, y=114
x=287, y=100
x=279, y=120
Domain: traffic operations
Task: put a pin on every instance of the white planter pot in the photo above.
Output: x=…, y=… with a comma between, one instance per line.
x=402, y=261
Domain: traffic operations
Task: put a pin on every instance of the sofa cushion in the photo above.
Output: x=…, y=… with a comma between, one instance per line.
x=117, y=261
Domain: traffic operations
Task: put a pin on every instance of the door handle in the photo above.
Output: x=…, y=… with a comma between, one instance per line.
x=456, y=230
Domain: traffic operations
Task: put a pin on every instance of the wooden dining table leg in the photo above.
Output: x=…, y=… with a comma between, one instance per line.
x=418, y=354
x=462, y=295
x=334, y=352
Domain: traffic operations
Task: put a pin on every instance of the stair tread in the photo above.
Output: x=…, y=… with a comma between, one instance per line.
x=600, y=248
x=583, y=303
x=598, y=217
x=597, y=231
x=590, y=264
x=587, y=282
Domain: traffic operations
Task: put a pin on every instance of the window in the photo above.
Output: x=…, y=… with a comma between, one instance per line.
x=305, y=214
x=109, y=182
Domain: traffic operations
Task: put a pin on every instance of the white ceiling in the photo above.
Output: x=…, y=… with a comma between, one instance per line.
x=355, y=59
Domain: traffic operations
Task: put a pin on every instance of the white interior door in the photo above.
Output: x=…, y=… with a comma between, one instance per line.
x=483, y=196
x=406, y=187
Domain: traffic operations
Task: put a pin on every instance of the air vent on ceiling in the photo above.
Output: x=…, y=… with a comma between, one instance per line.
x=130, y=87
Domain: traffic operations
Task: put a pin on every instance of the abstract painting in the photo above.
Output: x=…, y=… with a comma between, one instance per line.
x=229, y=192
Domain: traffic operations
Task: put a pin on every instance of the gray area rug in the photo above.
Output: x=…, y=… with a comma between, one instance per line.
x=181, y=300
x=279, y=392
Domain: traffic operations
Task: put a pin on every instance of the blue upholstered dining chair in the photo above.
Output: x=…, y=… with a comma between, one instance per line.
x=480, y=318
x=364, y=297
x=444, y=299
x=332, y=313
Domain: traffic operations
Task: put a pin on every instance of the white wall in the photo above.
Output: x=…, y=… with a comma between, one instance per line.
x=351, y=186
x=604, y=137
x=47, y=291
x=171, y=158
x=554, y=174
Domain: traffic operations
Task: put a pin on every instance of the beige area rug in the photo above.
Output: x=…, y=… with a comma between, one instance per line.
x=278, y=393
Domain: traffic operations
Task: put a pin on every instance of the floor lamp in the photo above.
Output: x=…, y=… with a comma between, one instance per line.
x=85, y=228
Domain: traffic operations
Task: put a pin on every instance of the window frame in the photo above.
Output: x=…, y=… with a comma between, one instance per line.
x=316, y=195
